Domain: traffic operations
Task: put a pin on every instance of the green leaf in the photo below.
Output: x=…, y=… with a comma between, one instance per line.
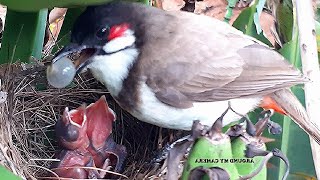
x=248, y=22
x=23, y=36
x=284, y=19
x=7, y=175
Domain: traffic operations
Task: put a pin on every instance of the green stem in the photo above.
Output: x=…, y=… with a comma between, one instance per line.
x=229, y=12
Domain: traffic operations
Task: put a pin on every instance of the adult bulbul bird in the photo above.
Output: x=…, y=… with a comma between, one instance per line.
x=171, y=68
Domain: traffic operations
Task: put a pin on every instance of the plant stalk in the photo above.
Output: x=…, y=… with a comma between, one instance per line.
x=310, y=67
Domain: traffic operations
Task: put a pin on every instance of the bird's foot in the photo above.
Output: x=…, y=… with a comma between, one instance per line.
x=163, y=154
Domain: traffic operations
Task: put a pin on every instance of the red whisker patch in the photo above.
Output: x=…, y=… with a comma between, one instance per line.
x=118, y=31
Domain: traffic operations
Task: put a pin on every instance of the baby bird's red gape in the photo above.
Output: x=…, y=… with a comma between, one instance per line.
x=85, y=133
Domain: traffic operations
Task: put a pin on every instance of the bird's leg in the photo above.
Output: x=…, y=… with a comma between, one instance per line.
x=165, y=150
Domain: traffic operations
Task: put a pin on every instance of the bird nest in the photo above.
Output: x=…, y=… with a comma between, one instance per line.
x=30, y=109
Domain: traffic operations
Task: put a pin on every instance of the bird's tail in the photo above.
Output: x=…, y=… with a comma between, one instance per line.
x=294, y=109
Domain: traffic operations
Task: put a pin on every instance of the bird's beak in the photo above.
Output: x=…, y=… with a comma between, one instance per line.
x=71, y=128
x=85, y=53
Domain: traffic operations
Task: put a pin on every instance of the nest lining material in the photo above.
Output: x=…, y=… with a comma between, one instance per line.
x=28, y=116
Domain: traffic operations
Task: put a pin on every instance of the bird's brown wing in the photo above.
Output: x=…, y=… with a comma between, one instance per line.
x=199, y=59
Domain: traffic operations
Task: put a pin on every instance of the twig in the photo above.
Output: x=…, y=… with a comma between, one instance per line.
x=48, y=170
x=310, y=67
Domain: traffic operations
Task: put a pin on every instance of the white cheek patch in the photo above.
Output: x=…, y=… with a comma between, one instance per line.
x=126, y=40
x=112, y=69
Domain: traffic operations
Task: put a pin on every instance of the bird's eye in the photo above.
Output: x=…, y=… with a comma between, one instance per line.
x=103, y=33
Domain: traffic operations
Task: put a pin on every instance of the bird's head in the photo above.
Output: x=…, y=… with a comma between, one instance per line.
x=100, y=34
x=71, y=128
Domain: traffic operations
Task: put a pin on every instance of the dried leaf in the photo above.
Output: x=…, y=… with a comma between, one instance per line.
x=172, y=5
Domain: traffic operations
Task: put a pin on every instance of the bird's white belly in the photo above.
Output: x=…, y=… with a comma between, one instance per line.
x=162, y=115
